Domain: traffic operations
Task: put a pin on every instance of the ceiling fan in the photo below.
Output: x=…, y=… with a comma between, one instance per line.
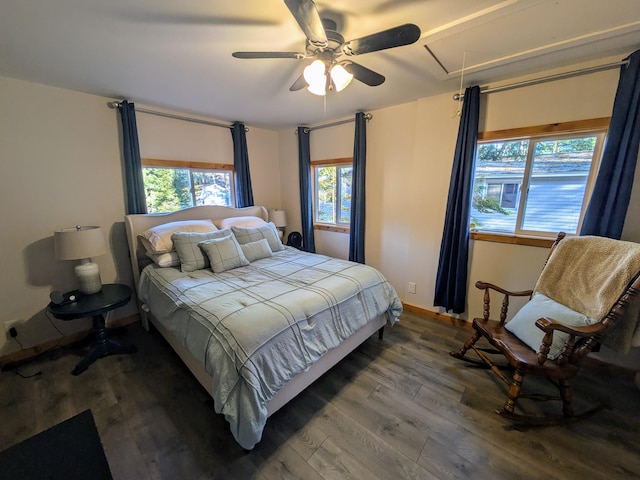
x=329, y=71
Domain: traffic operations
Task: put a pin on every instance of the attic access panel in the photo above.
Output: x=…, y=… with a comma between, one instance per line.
x=524, y=30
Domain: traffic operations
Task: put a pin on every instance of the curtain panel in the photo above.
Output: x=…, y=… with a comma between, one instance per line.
x=358, y=197
x=451, y=279
x=306, y=199
x=607, y=210
x=244, y=192
x=134, y=183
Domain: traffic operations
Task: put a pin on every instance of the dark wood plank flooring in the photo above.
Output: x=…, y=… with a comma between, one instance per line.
x=396, y=408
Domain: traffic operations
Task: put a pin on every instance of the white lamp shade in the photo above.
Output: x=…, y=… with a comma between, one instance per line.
x=341, y=78
x=316, y=78
x=79, y=243
x=278, y=217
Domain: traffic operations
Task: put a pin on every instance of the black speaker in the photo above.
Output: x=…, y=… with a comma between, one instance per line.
x=295, y=240
x=59, y=298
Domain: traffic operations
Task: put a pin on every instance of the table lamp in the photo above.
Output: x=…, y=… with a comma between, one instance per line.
x=279, y=219
x=82, y=243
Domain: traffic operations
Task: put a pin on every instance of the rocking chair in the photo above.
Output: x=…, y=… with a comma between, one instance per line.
x=586, y=289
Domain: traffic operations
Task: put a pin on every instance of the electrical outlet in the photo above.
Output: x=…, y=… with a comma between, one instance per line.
x=411, y=287
x=9, y=324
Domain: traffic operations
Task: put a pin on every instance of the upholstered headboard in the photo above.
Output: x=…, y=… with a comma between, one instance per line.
x=136, y=224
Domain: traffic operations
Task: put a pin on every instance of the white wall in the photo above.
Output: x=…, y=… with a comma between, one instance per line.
x=60, y=165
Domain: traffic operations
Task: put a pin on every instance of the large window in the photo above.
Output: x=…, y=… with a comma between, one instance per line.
x=172, y=185
x=332, y=192
x=535, y=185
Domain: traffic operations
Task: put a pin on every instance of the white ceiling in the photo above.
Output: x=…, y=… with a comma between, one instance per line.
x=177, y=54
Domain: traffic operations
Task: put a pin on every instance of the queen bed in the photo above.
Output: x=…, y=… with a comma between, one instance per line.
x=258, y=326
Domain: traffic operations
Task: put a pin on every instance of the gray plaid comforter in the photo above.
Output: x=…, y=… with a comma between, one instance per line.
x=256, y=327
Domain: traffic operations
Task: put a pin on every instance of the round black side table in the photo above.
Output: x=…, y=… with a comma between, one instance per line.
x=111, y=296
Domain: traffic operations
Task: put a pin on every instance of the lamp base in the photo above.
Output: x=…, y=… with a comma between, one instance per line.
x=89, y=278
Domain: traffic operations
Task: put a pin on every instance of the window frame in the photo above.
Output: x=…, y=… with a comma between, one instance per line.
x=594, y=127
x=193, y=167
x=338, y=163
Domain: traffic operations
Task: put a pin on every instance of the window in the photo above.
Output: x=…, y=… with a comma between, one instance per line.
x=172, y=185
x=536, y=184
x=332, y=192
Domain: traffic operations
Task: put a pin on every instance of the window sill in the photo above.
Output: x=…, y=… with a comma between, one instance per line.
x=544, y=242
x=331, y=228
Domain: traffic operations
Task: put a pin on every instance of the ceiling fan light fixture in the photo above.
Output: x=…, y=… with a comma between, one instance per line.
x=316, y=78
x=341, y=78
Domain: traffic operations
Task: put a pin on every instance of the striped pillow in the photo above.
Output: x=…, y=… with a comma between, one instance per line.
x=224, y=254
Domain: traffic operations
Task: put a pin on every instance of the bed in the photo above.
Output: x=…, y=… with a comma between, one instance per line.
x=257, y=333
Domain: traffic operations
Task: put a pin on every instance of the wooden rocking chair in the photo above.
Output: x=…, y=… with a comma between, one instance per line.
x=593, y=276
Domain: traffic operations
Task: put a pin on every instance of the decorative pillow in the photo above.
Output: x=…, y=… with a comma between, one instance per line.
x=239, y=222
x=224, y=254
x=170, y=259
x=257, y=250
x=523, y=324
x=191, y=256
x=253, y=234
x=158, y=239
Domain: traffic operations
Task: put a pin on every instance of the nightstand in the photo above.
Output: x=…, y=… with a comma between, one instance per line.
x=111, y=296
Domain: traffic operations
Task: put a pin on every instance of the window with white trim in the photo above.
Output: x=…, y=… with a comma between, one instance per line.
x=535, y=185
x=332, y=192
x=173, y=185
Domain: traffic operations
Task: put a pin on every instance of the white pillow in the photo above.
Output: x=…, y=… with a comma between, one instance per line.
x=158, y=239
x=257, y=250
x=523, y=324
x=224, y=254
x=191, y=256
x=247, y=221
x=170, y=259
x=253, y=234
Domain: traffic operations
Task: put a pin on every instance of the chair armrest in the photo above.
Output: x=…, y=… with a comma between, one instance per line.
x=549, y=325
x=485, y=285
x=505, y=301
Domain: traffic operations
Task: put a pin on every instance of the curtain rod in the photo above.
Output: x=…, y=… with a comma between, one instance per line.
x=367, y=116
x=535, y=81
x=176, y=117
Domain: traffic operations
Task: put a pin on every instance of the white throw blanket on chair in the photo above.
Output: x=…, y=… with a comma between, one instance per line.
x=588, y=274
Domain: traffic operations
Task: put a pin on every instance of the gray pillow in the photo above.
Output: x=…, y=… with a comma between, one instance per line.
x=523, y=324
x=224, y=254
x=253, y=234
x=191, y=256
x=257, y=250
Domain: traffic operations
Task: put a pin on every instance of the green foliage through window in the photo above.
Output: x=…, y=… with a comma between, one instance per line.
x=332, y=203
x=171, y=189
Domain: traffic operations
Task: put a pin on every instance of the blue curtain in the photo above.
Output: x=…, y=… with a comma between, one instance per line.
x=451, y=279
x=306, y=200
x=358, y=211
x=607, y=209
x=134, y=183
x=244, y=192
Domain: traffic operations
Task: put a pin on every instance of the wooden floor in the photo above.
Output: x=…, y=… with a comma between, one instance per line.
x=396, y=408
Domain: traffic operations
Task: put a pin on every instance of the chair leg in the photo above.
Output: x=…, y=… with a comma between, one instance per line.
x=567, y=398
x=514, y=392
x=467, y=345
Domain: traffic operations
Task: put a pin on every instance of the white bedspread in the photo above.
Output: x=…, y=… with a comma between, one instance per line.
x=256, y=327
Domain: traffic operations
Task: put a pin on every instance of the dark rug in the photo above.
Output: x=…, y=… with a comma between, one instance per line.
x=67, y=451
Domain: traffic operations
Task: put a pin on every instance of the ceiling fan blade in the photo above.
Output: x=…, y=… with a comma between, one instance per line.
x=299, y=84
x=307, y=16
x=394, y=37
x=295, y=55
x=365, y=75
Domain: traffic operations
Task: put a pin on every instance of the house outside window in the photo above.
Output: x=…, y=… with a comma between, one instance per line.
x=537, y=185
x=332, y=192
x=173, y=185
